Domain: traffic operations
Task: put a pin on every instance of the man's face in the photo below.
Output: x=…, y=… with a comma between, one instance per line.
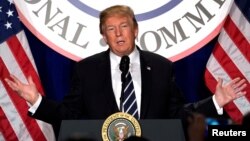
x=120, y=33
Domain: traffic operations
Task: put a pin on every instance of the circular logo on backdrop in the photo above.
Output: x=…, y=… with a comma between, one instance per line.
x=120, y=126
x=172, y=28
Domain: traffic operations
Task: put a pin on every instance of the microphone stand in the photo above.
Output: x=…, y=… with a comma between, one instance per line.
x=122, y=97
x=123, y=75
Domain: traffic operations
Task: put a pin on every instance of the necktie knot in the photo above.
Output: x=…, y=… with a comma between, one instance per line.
x=124, y=67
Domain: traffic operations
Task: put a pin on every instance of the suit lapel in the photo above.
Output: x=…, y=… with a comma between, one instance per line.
x=108, y=94
x=105, y=80
x=146, y=77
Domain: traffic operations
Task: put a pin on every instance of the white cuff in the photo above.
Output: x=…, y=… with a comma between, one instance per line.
x=218, y=108
x=34, y=107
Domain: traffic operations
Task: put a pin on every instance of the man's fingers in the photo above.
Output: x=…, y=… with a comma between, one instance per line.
x=235, y=80
x=15, y=79
x=219, y=84
x=240, y=94
x=238, y=84
x=11, y=84
x=14, y=84
x=241, y=83
x=220, y=81
x=242, y=87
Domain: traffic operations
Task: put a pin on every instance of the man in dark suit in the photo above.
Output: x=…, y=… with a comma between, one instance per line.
x=96, y=81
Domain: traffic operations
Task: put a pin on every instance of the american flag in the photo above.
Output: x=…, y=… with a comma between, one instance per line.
x=16, y=58
x=231, y=57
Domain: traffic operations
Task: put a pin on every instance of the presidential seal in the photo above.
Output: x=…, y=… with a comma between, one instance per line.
x=120, y=126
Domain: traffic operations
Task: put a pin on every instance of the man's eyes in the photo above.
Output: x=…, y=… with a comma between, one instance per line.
x=110, y=28
x=124, y=25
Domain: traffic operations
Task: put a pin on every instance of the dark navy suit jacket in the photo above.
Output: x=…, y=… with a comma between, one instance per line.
x=91, y=95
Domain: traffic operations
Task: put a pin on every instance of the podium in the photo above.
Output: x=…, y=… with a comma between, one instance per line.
x=153, y=130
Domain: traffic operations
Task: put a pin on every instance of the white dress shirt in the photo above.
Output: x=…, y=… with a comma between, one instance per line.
x=135, y=70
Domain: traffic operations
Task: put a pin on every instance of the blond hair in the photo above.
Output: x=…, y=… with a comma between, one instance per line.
x=122, y=10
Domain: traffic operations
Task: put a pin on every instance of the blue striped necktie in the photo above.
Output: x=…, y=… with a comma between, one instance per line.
x=129, y=99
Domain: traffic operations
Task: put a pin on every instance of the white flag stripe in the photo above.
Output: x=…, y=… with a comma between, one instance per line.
x=10, y=62
x=13, y=116
x=235, y=54
x=243, y=105
x=240, y=21
x=1, y=137
x=47, y=130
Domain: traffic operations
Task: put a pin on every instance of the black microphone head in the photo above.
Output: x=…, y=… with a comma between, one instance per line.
x=124, y=64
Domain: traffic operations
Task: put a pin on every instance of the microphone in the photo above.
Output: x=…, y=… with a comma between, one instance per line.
x=124, y=67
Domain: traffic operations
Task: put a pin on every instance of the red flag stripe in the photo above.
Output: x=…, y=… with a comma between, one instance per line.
x=23, y=41
x=45, y=127
x=6, y=129
x=213, y=71
x=226, y=61
x=237, y=57
x=216, y=68
x=234, y=112
x=227, y=57
x=9, y=108
x=233, y=71
x=23, y=60
x=20, y=104
x=211, y=82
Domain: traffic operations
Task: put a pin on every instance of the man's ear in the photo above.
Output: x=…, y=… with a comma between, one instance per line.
x=136, y=32
x=104, y=38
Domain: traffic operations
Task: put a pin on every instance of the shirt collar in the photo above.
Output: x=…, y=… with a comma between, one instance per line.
x=133, y=56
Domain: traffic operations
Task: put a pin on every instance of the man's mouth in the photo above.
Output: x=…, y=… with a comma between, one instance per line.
x=121, y=42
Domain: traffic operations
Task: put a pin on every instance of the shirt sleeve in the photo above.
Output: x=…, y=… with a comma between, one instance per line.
x=218, y=108
x=34, y=107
